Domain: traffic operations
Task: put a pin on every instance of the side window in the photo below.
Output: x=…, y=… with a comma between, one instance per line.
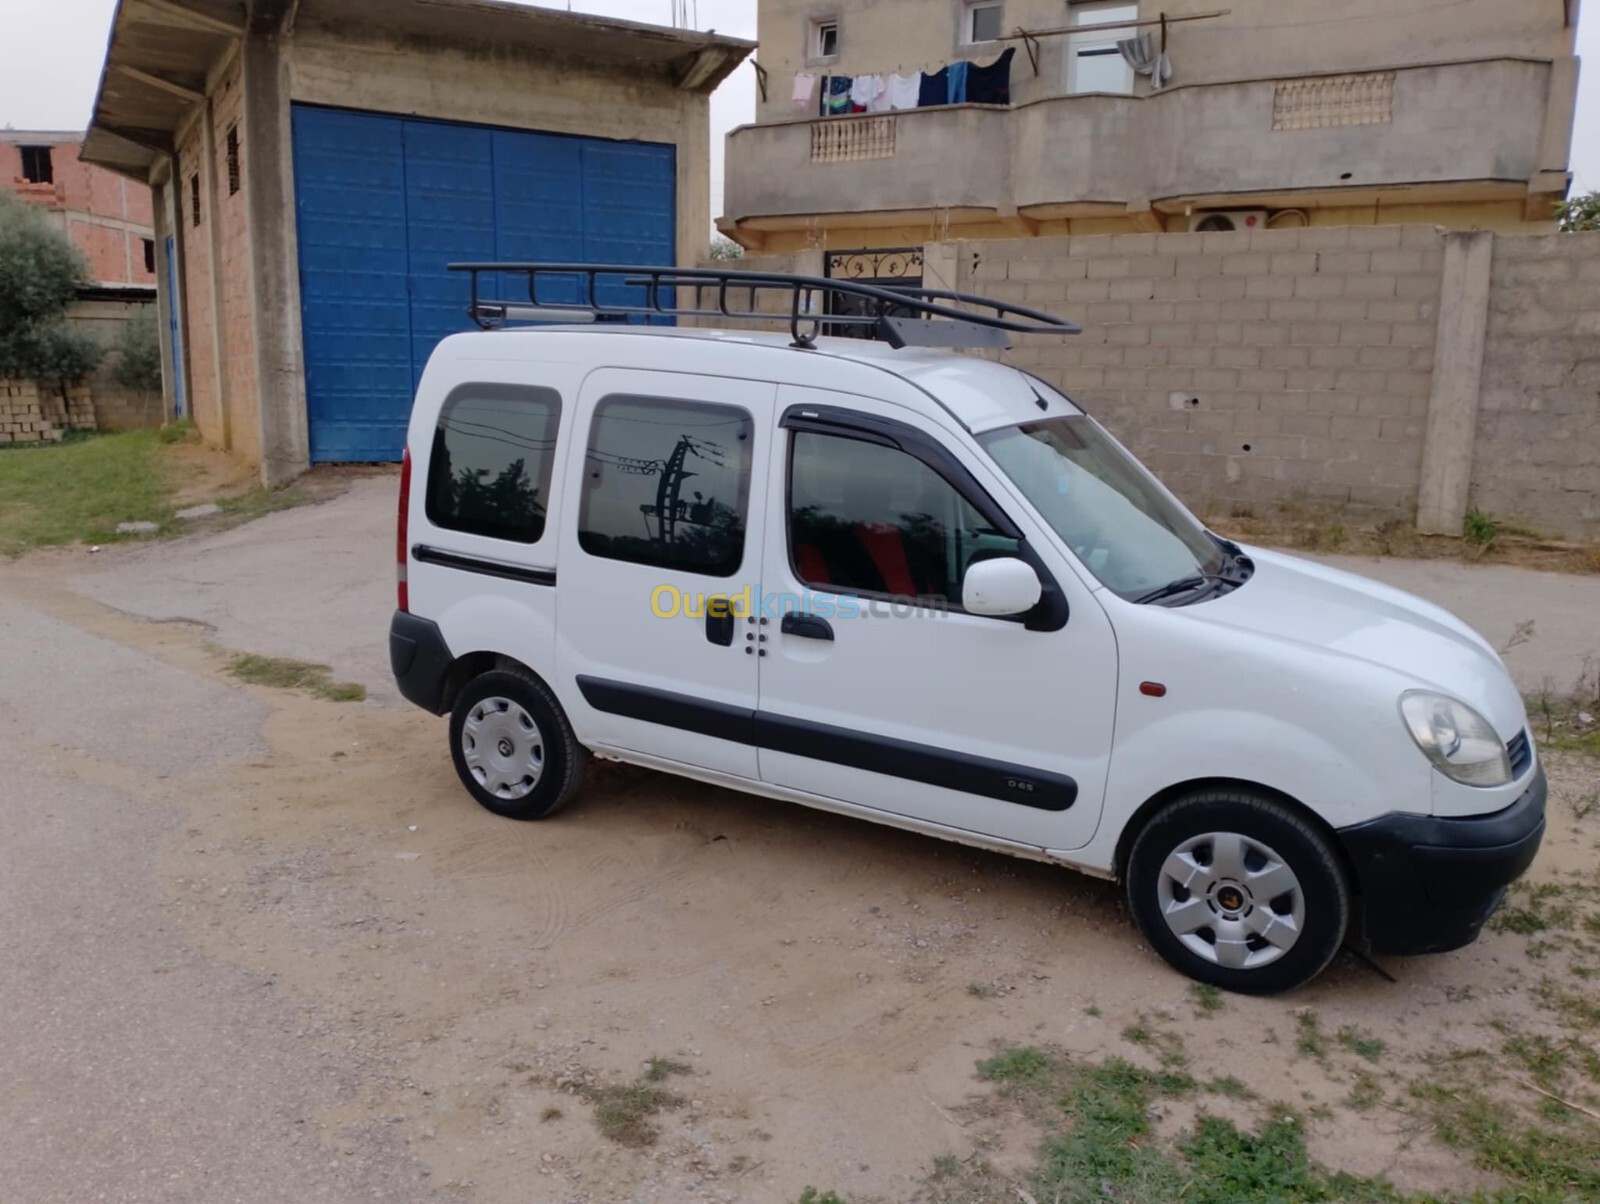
x=667, y=483
x=869, y=519
x=493, y=452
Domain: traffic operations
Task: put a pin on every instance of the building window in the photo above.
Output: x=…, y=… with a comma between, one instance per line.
x=1094, y=64
x=866, y=519
x=981, y=21
x=233, y=159
x=37, y=167
x=667, y=483
x=494, y=451
x=825, y=38
x=194, y=198
x=149, y=254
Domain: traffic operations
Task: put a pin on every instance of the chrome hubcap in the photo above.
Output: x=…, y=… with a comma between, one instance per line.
x=1231, y=900
x=503, y=748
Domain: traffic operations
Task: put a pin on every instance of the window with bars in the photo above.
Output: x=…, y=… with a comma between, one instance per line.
x=233, y=159
x=194, y=199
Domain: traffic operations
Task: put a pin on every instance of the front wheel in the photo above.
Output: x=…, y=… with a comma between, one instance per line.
x=1239, y=891
x=513, y=747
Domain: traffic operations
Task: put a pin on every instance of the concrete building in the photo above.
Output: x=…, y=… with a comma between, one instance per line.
x=317, y=163
x=1277, y=113
x=107, y=216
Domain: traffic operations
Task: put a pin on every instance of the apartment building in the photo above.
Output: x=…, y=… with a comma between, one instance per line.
x=1116, y=116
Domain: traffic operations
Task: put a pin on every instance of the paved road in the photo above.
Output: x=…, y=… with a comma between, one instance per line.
x=138, y=1068
x=319, y=582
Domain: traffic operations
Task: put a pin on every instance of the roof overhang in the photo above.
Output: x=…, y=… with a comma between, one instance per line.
x=160, y=52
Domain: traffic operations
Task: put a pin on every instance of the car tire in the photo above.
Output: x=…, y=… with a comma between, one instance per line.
x=1239, y=891
x=513, y=747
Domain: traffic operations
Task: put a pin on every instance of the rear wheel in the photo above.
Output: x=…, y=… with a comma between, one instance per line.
x=1237, y=890
x=513, y=747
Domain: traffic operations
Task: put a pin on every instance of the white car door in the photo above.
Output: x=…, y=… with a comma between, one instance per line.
x=877, y=695
x=666, y=513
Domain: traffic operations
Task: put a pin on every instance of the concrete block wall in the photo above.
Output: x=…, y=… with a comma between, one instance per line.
x=1537, y=453
x=1247, y=369
x=116, y=407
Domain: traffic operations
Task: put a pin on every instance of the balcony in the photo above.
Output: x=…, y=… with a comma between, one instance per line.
x=1466, y=130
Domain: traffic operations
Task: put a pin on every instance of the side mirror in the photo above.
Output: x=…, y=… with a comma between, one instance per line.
x=1001, y=587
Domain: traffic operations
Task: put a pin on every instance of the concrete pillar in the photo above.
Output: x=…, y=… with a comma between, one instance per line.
x=161, y=186
x=211, y=219
x=274, y=255
x=940, y=267
x=1457, y=371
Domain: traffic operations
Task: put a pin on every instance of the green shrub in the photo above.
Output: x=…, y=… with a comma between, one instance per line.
x=138, y=353
x=40, y=274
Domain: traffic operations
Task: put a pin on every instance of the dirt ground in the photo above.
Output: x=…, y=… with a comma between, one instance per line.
x=441, y=990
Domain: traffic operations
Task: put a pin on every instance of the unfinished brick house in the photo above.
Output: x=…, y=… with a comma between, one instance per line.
x=106, y=215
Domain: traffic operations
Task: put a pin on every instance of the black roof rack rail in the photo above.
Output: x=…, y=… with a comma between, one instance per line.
x=902, y=317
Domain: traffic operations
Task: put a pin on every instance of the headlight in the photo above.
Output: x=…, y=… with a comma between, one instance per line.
x=1457, y=739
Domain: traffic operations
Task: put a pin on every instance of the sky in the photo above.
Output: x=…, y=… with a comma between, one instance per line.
x=51, y=51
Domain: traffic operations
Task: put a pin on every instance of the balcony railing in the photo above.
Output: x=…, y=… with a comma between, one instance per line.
x=848, y=140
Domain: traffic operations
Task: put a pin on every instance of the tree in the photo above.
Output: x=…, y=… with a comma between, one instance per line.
x=40, y=274
x=138, y=353
x=1579, y=214
x=725, y=248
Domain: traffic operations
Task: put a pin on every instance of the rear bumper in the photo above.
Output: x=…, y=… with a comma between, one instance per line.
x=420, y=659
x=1428, y=884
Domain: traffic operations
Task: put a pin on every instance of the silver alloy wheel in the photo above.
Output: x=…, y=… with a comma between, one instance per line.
x=1231, y=900
x=503, y=748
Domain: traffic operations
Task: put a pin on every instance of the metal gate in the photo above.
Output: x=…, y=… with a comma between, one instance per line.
x=890, y=267
x=383, y=204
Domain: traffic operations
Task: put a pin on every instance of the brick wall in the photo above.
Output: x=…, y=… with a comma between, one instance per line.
x=107, y=216
x=1537, y=457
x=200, y=376
x=238, y=300
x=1248, y=369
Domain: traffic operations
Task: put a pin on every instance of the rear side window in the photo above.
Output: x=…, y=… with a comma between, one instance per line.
x=667, y=483
x=493, y=453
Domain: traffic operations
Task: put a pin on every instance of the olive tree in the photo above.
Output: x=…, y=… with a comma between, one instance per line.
x=1581, y=213
x=40, y=274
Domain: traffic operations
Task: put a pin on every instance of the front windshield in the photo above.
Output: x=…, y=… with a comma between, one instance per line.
x=1104, y=504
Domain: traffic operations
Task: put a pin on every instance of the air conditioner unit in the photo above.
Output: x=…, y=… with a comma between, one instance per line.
x=1224, y=220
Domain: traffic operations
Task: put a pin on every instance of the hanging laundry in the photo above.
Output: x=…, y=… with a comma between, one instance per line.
x=1141, y=54
x=958, y=82
x=904, y=90
x=865, y=91
x=935, y=88
x=805, y=86
x=991, y=85
x=836, y=97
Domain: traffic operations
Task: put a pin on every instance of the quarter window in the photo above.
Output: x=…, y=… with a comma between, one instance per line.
x=825, y=38
x=667, y=483
x=869, y=519
x=493, y=453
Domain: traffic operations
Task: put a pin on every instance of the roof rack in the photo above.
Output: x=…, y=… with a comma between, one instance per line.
x=901, y=317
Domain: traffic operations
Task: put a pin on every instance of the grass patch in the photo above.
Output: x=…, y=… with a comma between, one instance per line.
x=623, y=1112
x=1545, y=1162
x=551, y=1113
x=285, y=673
x=1100, y=1144
x=1363, y=1045
x=81, y=488
x=1207, y=999
x=1366, y=1094
x=1308, y=1036
x=812, y=1196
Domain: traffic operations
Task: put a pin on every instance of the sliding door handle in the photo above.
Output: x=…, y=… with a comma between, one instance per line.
x=807, y=627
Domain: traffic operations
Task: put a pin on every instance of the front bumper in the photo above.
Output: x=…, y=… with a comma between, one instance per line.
x=1428, y=884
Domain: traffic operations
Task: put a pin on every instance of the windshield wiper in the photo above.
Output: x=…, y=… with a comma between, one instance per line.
x=1182, y=585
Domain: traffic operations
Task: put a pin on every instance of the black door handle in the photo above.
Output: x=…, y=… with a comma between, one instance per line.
x=719, y=622
x=807, y=627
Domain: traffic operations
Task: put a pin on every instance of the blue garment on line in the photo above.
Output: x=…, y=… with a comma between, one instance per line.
x=958, y=82
x=935, y=88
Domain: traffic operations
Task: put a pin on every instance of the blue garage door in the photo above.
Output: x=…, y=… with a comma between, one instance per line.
x=385, y=203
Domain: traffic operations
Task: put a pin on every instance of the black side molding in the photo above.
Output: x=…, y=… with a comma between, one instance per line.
x=423, y=554
x=420, y=659
x=839, y=746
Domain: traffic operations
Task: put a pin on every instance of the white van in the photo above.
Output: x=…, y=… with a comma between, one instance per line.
x=926, y=589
